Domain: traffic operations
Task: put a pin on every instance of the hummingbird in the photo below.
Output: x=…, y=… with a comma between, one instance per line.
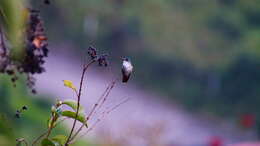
x=127, y=69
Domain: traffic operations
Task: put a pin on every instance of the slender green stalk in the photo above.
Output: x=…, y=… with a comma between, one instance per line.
x=43, y=134
x=38, y=138
x=78, y=102
x=2, y=42
x=54, y=118
x=20, y=141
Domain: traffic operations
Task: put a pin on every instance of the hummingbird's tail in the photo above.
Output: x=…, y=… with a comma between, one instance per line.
x=125, y=78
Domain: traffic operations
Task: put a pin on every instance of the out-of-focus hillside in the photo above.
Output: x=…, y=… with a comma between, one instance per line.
x=203, y=53
x=145, y=119
x=200, y=31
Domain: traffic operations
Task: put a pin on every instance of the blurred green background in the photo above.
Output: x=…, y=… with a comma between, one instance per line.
x=202, y=54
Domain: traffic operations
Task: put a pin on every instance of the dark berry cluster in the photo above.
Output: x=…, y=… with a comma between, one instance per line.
x=35, y=51
x=19, y=112
x=37, y=44
x=92, y=52
x=101, y=59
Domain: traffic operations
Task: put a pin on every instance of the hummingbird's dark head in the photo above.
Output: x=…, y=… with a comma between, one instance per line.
x=125, y=59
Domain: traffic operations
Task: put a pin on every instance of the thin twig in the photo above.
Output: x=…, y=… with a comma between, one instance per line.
x=96, y=104
x=103, y=96
x=78, y=102
x=53, y=120
x=4, y=16
x=116, y=106
x=43, y=134
x=107, y=94
x=2, y=42
x=91, y=128
x=39, y=137
x=26, y=143
x=20, y=141
x=103, y=114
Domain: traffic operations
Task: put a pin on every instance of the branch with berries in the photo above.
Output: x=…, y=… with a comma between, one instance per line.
x=34, y=49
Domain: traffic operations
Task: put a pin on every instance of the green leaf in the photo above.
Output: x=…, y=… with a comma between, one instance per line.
x=73, y=105
x=47, y=142
x=49, y=122
x=69, y=84
x=61, y=139
x=80, y=117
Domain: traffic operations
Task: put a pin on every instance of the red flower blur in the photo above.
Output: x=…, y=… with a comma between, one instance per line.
x=247, y=120
x=215, y=141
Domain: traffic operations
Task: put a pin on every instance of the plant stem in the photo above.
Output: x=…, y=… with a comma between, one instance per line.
x=78, y=102
x=2, y=41
x=38, y=138
x=103, y=114
x=99, y=102
x=20, y=141
x=25, y=142
x=54, y=118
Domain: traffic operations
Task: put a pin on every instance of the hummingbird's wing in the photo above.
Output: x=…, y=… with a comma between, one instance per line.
x=125, y=76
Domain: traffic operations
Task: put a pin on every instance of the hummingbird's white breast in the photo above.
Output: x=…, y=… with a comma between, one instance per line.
x=127, y=66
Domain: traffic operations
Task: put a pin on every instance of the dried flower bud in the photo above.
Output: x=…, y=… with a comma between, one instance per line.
x=25, y=107
x=59, y=103
x=53, y=109
x=92, y=52
x=17, y=115
x=102, y=60
x=34, y=91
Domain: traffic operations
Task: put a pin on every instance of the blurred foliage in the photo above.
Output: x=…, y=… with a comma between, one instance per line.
x=32, y=122
x=202, y=53
x=12, y=18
